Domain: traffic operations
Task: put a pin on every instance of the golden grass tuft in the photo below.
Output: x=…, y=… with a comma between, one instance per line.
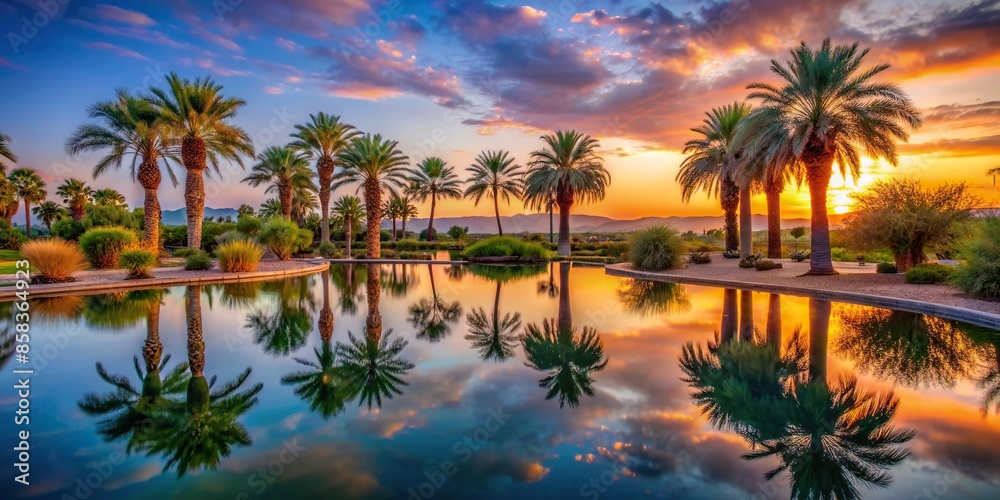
x=53, y=260
x=239, y=256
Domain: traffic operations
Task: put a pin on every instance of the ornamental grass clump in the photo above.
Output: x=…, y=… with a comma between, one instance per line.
x=927, y=274
x=138, y=262
x=239, y=256
x=506, y=247
x=656, y=248
x=53, y=260
x=104, y=245
x=281, y=237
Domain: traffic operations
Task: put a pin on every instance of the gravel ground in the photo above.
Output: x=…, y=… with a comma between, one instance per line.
x=853, y=278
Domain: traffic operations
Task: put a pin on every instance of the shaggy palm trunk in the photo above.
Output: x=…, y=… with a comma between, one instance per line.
x=774, y=321
x=403, y=228
x=564, y=320
x=373, y=201
x=193, y=157
x=819, y=166
x=729, y=314
x=10, y=210
x=373, y=322
x=152, y=348
x=285, y=199
x=496, y=209
x=27, y=217
x=393, y=239
x=730, y=200
x=150, y=177
x=431, y=236
x=348, y=226
x=78, y=209
x=746, y=224
x=774, y=222
x=819, y=334
x=565, y=201
x=746, y=315
x=324, y=167
x=195, y=338
x=325, y=325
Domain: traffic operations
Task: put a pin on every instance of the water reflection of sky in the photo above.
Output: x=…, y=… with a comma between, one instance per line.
x=641, y=432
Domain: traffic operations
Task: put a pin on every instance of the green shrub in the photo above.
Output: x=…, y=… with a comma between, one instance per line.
x=174, y=236
x=505, y=246
x=327, y=250
x=886, y=268
x=183, y=252
x=458, y=232
x=104, y=245
x=68, y=229
x=281, y=237
x=798, y=255
x=656, y=248
x=198, y=261
x=408, y=245
x=212, y=230
x=980, y=274
x=111, y=216
x=249, y=226
x=53, y=260
x=766, y=265
x=138, y=262
x=12, y=239
x=700, y=258
x=751, y=261
x=615, y=249
x=228, y=236
x=304, y=241
x=925, y=274
x=240, y=256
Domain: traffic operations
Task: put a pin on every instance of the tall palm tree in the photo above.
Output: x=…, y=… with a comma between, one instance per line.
x=109, y=197
x=493, y=335
x=832, y=110
x=349, y=210
x=406, y=208
x=304, y=203
x=269, y=209
x=48, y=212
x=495, y=175
x=433, y=317
x=76, y=194
x=132, y=130
x=5, y=151
x=375, y=165
x=994, y=172
x=710, y=165
x=393, y=212
x=30, y=188
x=283, y=170
x=323, y=137
x=433, y=179
x=569, y=167
x=199, y=115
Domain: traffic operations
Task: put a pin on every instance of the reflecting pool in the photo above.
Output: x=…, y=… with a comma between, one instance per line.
x=420, y=381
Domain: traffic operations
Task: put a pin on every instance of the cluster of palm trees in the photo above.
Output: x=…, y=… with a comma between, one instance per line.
x=827, y=111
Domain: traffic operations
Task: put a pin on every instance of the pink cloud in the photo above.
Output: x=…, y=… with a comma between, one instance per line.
x=273, y=90
x=116, y=49
x=120, y=15
x=286, y=44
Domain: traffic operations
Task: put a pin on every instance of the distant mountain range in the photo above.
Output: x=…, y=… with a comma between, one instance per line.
x=539, y=223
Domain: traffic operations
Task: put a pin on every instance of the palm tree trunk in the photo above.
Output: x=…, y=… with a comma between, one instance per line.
x=564, y=319
x=746, y=315
x=819, y=165
x=496, y=306
x=819, y=334
x=27, y=217
x=774, y=223
x=324, y=167
x=152, y=348
x=77, y=210
x=430, y=223
x=496, y=209
x=746, y=224
x=348, y=227
x=404, y=226
x=564, y=198
x=373, y=323
x=774, y=320
x=193, y=157
x=550, y=222
x=325, y=325
x=730, y=199
x=729, y=314
x=285, y=198
x=393, y=230
x=149, y=177
x=195, y=338
x=373, y=202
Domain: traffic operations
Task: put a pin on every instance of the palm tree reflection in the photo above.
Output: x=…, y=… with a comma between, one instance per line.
x=647, y=298
x=433, y=317
x=492, y=335
x=284, y=330
x=348, y=279
x=398, y=280
x=569, y=359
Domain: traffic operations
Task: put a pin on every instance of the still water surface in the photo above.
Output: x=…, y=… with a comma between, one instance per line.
x=422, y=381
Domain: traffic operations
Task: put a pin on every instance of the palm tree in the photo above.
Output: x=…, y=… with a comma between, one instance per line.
x=375, y=165
x=710, y=166
x=303, y=203
x=994, y=172
x=495, y=175
x=324, y=137
x=76, y=194
x=5, y=151
x=269, y=209
x=109, y=198
x=407, y=209
x=433, y=317
x=491, y=334
x=30, y=188
x=434, y=179
x=349, y=210
x=393, y=209
x=832, y=111
x=283, y=170
x=569, y=167
x=9, y=201
x=130, y=127
x=48, y=212
x=199, y=115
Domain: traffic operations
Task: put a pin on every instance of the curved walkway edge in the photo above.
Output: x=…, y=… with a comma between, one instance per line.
x=90, y=287
x=981, y=318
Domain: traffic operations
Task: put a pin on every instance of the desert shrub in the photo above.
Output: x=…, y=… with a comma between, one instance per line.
x=198, y=261
x=751, y=261
x=616, y=249
x=240, y=256
x=210, y=231
x=281, y=237
x=458, y=232
x=174, y=236
x=980, y=274
x=731, y=254
x=104, y=245
x=656, y=248
x=798, y=255
x=925, y=274
x=700, y=258
x=504, y=246
x=68, y=229
x=111, y=216
x=183, y=252
x=138, y=262
x=535, y=237
x=53, y=260
x=304, y=241
x=327, y=250
x=886, y=268
x=766, y=265
x=423, y=235
x=249, y=225
x=12, y=239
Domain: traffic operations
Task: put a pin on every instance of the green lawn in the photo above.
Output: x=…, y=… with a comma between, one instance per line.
x=8, y=261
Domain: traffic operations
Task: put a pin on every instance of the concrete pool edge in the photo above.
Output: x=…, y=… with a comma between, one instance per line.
x=972, y=316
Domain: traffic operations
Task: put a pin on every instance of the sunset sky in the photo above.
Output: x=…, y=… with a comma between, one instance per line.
x=453, y=78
